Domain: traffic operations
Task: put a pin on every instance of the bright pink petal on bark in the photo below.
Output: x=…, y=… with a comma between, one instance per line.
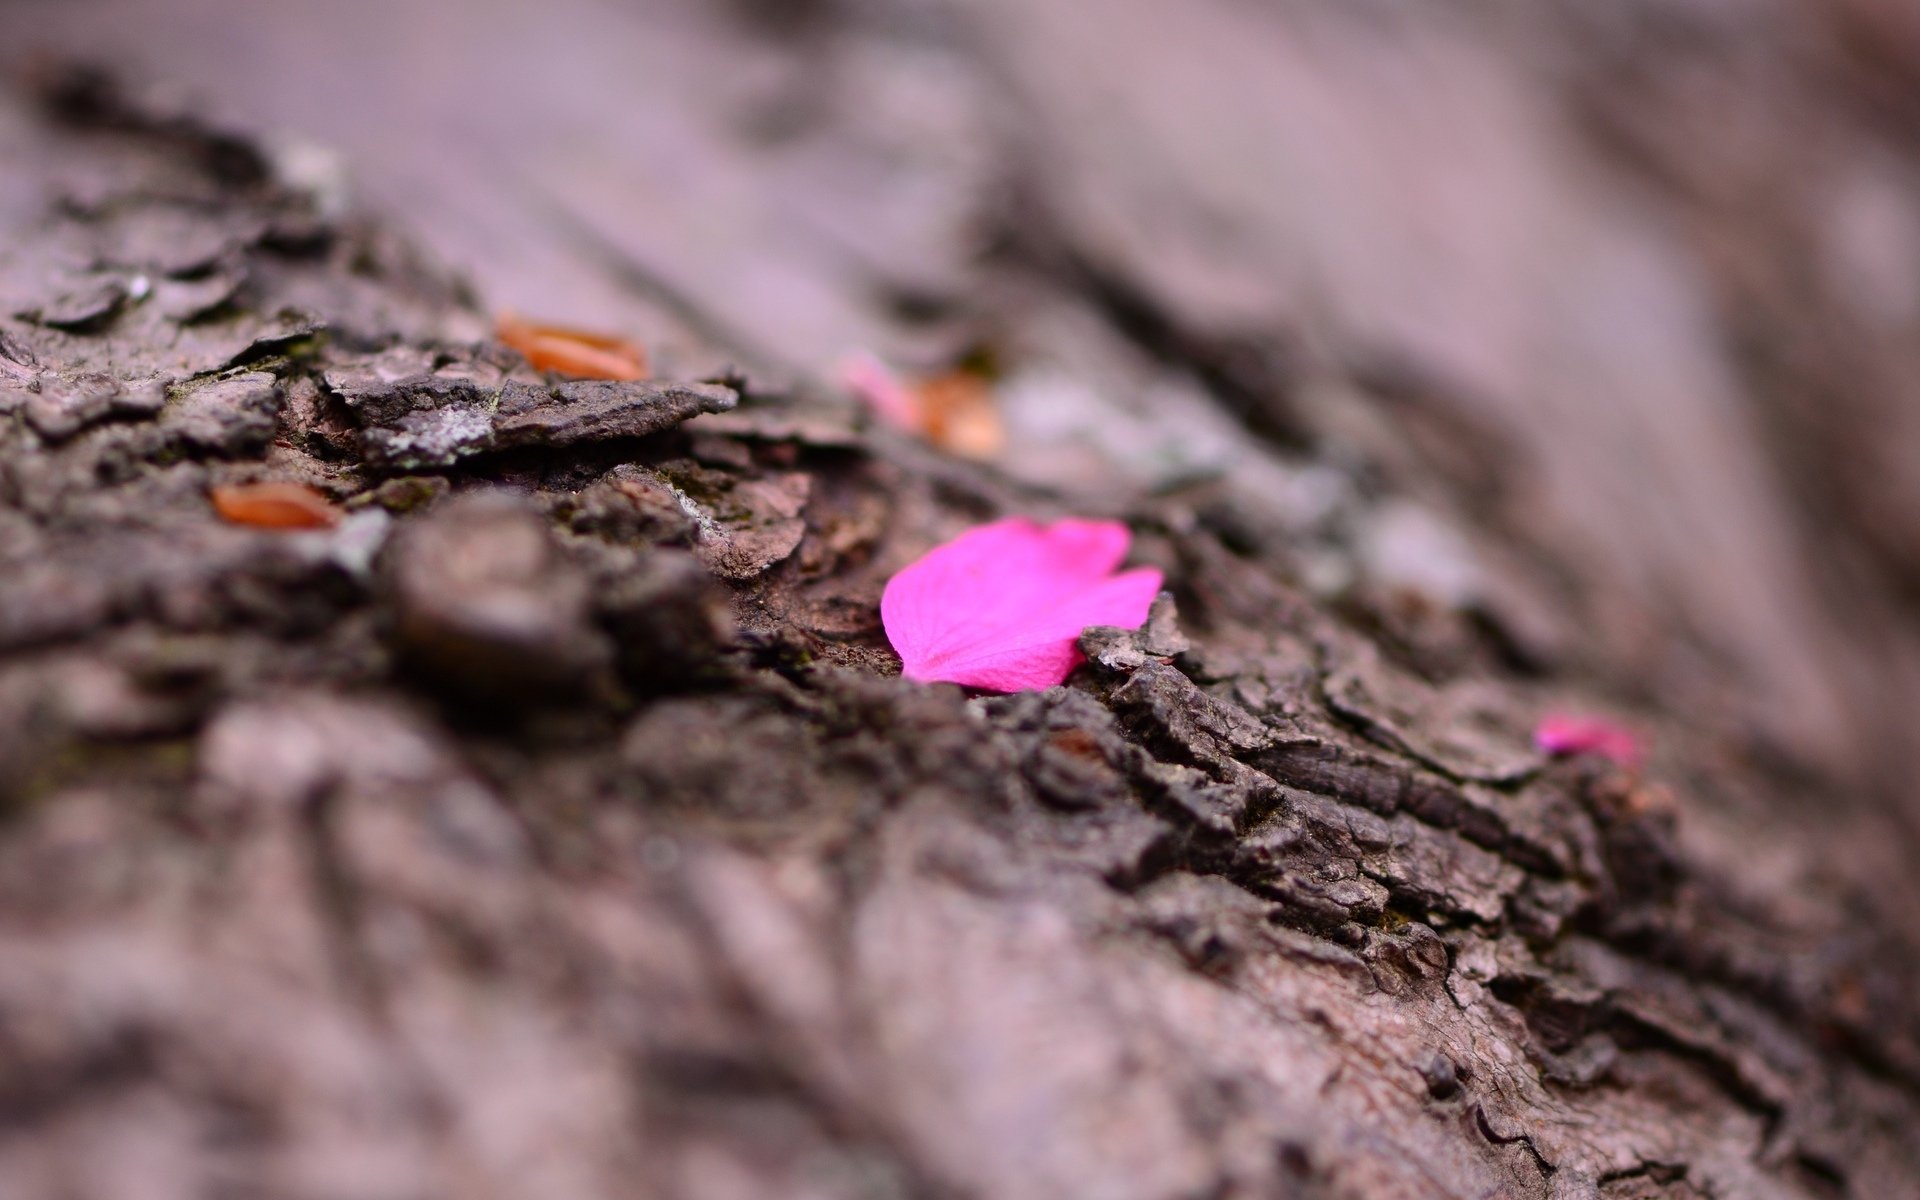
x=1001, y=606
x=1563, y=734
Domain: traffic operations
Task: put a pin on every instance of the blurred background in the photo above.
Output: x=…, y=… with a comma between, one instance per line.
x=1599, y=322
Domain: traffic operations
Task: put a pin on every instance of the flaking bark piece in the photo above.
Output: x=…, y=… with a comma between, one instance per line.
x=631, y=506
x=236, y=416
x=87, y=306
x=413, y=419
x=744, y=526
x=434, y=437
x=597, y=410
x=669, y=618
x=384, y=392
x=196, y=299
x=489, y=609
x=62, y=408
x=16, y=358
x=1449, y=729
x=422, y=421
x=805, y=427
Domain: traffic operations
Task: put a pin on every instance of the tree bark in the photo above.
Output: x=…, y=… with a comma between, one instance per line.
x=556, y=824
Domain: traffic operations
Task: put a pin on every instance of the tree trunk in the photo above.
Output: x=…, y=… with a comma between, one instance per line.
x=555, y=823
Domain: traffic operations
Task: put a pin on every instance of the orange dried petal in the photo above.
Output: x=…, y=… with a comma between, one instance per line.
x=959, y=413
x=274, y=506
x=578, y=353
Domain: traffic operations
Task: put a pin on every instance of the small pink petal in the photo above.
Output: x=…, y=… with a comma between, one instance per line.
x=1562, y=734
x=881, y=390
x=1000, y=607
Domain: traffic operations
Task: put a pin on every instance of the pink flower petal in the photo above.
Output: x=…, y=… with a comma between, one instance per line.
x=1563, y=734
x=881, y=390
x=1001, y=606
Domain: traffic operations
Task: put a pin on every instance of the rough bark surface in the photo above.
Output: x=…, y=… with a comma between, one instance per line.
x=556, y=825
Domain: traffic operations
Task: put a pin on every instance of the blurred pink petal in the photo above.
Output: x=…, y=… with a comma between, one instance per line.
x=881, y=390
x=1000, y=607
x=1562, y=734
